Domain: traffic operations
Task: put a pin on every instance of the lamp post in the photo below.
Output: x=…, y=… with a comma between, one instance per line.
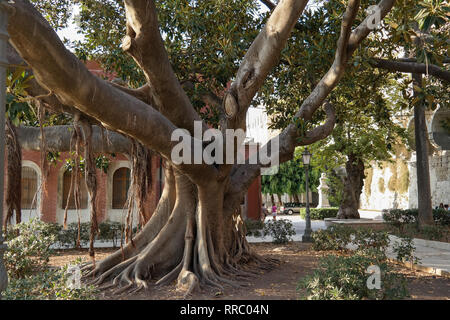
x=306, y=155
x=3, y=65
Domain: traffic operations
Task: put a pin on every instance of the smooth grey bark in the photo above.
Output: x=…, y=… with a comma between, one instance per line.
x=57, y=138
x=422, y=165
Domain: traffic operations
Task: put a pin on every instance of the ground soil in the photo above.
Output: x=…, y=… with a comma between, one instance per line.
x=295, y=261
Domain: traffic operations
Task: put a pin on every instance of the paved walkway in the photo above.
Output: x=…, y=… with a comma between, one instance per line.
x=299, y=226
x=434, y=256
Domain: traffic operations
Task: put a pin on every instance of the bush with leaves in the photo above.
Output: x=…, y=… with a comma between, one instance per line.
x=28, y=248
x=281, y=230
x=254, y=227
x=341, y=237
x=333, y=238
x=405, y=249
x=345, y=278
x=49, y=284
x=319, y=213
x=68, y=237
x=111, y=231
x=401, y=217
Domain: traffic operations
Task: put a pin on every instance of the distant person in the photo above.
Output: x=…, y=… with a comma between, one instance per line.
x=446, y=207
x=441, y=206
x=274, y=212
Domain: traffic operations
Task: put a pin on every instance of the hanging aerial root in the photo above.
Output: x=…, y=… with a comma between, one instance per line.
x=91, y=184
x=14, y=175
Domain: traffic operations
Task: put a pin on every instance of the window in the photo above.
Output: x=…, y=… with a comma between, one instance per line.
x=66, y=188
x=121, y=184
x=29, y=187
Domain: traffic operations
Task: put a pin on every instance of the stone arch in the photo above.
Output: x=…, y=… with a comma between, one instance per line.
x=440, y=128
x=112, y=214
x=411, y=139
x=35, y=213
x=72, y=214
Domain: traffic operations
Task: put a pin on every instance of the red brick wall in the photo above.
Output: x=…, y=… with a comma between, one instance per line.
x=49, y=195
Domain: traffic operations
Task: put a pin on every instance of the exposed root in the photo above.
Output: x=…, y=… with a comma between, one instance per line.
x=186, y=249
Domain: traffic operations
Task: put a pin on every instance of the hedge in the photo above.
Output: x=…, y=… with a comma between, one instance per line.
x=109, y=231
x=319, y=213
x=405, y=216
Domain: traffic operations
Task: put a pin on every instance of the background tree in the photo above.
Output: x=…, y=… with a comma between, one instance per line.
x=365, y=127
x=290, y=179
x=420, y=31
x=195, y=235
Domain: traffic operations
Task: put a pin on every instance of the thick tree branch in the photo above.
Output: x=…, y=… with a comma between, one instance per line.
x=60, y=72
x=259, y=60
x=336, y=71
x=144, y=43
x=363, y=30
x=411, y=67
x=242, y=176
x=57, y=138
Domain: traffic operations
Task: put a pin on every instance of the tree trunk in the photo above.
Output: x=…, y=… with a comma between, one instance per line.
x=423, y=171
x=280, y=203
x=296, y=199
x=353, y=184
x=272, y=199
x=191, y=237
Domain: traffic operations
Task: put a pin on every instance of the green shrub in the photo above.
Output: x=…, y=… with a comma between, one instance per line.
x=441, y=217
x=108, y=231
x=49, y=284
x=319, y=213
x=28, y=248
x=339, y=237
x=281, y=230
x=254, y=227
x=401, y=217
x=111, y=231
x=345, y=278
x=405, y=249
x=434, y=232
x=333, y=238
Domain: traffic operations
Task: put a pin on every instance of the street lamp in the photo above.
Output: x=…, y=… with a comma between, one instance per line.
x=3, y=65
x=306, y=155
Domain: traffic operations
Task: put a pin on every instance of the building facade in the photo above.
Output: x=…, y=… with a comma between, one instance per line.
x=394, y=185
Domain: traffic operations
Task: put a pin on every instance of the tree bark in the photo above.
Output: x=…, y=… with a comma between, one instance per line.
x=353, y=184
x=422, y=166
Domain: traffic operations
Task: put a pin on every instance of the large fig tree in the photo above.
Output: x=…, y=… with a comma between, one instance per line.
x=195, y=234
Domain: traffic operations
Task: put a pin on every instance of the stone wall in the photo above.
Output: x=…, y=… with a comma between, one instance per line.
x=383, y=193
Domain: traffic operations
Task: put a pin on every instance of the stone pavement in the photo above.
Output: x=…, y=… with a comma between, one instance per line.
x=299, y=226
x=434, y=256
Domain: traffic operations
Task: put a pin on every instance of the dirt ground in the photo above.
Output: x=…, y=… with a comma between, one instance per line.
x=295, y=261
